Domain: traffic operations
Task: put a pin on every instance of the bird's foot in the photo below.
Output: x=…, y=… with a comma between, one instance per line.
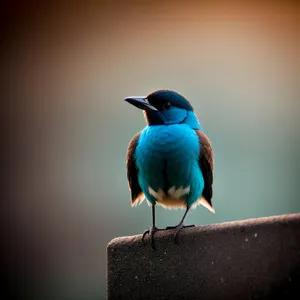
x=177, y=229
x=151, y=232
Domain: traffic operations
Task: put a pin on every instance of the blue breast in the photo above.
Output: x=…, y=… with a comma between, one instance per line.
x=166, y=157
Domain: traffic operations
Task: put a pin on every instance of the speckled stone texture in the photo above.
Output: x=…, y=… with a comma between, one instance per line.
x=252, y=259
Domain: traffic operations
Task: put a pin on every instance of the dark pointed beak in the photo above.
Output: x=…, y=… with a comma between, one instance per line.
x=140, y=102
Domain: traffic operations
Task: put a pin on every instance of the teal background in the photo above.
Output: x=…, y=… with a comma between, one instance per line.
x=67, y=68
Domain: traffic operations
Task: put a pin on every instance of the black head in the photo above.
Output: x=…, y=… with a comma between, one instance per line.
x=162, y=107
x=163, y=99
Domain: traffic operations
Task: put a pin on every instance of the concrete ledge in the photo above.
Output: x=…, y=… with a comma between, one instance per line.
x=252, y=259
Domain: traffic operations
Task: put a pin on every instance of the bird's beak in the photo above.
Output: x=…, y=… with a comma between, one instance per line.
x=140, y=102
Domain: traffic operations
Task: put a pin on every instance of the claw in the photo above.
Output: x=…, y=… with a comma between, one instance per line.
x=151, y=232
x=144, y=234
x=177, y=229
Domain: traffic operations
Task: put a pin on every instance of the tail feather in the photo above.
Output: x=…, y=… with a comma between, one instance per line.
x=138, y=200
x=205, y=203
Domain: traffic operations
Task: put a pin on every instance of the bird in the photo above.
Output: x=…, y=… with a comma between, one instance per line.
x=170, y=162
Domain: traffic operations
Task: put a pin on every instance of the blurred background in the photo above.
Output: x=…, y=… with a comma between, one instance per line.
x=65, y=70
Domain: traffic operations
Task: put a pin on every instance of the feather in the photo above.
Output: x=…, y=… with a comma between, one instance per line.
x=206, y=163
x=137, y=195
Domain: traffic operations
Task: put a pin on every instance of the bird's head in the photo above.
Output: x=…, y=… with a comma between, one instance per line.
x=165, y=107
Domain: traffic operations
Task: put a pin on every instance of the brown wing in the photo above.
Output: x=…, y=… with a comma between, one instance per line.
x=206, y=162
x=132, y=172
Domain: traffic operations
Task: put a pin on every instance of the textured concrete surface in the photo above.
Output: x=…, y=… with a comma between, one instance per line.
x=252, y=259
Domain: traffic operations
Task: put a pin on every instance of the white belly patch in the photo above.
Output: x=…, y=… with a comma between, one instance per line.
x=173, y=199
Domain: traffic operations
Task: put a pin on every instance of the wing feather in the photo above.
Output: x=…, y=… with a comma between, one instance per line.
x=132, y=172
x=206, y=163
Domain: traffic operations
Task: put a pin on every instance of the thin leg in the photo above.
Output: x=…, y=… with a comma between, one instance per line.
x=180, y=225
x=152, y=230
x=153, y=215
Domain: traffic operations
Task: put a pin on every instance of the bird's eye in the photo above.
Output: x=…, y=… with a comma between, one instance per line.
x=167, y=105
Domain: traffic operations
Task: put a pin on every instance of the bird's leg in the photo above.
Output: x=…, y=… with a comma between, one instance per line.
x=153, y=228
x=180, y=226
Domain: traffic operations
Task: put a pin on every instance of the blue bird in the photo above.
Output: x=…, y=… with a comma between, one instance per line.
x=170, y=162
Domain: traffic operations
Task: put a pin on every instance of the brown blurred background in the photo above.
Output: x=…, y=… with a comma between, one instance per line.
x=65, y=69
